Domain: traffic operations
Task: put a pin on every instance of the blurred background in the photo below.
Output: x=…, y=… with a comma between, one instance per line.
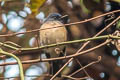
x=23, y=15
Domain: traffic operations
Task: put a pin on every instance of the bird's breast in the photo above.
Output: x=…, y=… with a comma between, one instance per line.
x=51, y=34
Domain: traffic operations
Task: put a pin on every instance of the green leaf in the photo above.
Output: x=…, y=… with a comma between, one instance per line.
x=85, y=10
x=97, y=1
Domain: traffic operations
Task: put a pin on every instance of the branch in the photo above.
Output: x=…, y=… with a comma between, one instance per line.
x=61, y=43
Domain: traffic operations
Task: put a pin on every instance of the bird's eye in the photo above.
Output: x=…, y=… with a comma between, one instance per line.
x=55, y=17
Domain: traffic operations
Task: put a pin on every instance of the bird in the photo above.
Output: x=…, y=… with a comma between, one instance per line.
x=50, y=35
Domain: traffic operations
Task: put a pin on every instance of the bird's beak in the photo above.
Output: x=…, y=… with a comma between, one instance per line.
x=65, y=19
x=65, y=16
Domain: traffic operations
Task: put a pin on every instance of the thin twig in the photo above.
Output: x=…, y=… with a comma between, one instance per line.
x=81, y=67
x=43, y=75
x=67, y=25
x=72, y=78
x=94, y=62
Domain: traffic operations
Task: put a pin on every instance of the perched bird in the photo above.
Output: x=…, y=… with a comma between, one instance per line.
x=53, y=36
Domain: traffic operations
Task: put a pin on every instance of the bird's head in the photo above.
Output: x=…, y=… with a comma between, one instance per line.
x=56, y=16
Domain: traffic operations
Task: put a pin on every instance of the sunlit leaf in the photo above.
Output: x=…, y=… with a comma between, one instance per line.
x=116, y=1
x=35, y=5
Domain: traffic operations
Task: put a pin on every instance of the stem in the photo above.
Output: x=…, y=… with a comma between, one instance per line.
x=17, y=59
x=71, y=42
